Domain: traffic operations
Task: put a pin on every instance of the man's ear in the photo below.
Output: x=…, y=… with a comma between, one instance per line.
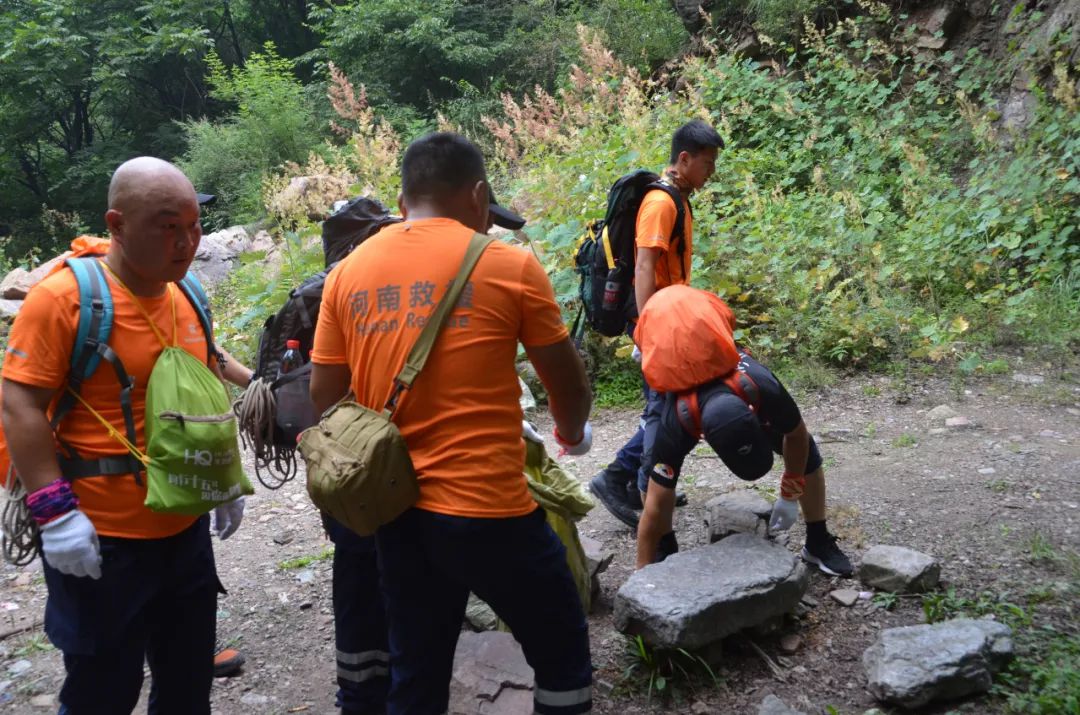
x=682, y=159
x=114, y=221
x=481, y=200
x=401, y=205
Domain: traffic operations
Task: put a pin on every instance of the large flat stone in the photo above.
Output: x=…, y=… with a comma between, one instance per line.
x=16, y=284
x=490, y=677
x=697, y=597
x=917, y=665
x=899, y=569
x=738, y=512
x=597, y=559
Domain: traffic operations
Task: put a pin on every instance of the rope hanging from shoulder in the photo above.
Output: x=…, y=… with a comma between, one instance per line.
x=20, y=532
x=255, y=410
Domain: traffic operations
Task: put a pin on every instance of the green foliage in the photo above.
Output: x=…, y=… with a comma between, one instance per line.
x=945, y=605
x=885, y=600
x=273, y=124
x=666, y=672
x=1045, y=681
x=618, y=384
x=835, y=224
x=301, y=561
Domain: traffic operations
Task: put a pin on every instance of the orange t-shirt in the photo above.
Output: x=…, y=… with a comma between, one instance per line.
x=462, y=418
x=39, y=354
x=655, y=220
x=685, y=336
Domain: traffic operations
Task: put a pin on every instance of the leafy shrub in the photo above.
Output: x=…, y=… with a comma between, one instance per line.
x=273, y=124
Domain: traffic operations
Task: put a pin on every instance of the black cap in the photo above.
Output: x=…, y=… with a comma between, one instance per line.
x=736, y=435
x=205, y=199
x=503, y=216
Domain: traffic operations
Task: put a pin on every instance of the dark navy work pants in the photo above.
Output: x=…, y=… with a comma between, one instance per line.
x=360, y=631
x=156, y=601
x=430, y=562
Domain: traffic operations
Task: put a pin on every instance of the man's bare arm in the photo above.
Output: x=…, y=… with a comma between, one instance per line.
x=645, y=276
x=329, y=383
x=569, y=397
x=233, y=370
x=29, y=435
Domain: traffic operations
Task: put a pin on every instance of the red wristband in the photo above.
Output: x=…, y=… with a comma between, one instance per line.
x=792, y=485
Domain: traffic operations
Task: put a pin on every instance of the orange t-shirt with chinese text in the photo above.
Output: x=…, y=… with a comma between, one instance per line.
x=655, y=221
x=39, y=354
x=462, y=418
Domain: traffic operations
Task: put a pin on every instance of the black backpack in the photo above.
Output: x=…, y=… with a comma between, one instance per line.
x=263, y=426
x=605, y=254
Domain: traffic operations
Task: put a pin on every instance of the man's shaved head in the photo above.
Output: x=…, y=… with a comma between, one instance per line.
x=153, y=219
x=145, y=178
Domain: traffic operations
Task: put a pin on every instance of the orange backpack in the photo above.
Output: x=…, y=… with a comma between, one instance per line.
x=685, y=338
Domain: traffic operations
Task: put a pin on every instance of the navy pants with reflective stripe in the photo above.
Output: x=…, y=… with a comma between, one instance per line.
x=430, y=562
x=363, y=659
x=156, y=601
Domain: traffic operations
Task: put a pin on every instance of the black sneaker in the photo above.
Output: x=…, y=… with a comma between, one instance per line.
x=668, y=545
x=612, y=493
x=828, y=557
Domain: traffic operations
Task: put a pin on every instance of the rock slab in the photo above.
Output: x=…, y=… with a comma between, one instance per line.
x=490, y=677
x=773, y=705
x=899, y=569
x=697, y=597
x=916, y=665
x=738, y=512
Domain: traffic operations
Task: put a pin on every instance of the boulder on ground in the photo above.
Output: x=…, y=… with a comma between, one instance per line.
x=697, y=597
x=739, y=512
x=597, y=559
x=916, y=665
x=490, y=677
x=899, y=569
x=16, y=284
x=773, y=705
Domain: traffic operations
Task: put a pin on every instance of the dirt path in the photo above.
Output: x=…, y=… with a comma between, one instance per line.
x=988, y=500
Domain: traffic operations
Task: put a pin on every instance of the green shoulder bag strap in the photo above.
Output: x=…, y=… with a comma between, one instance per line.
x=421, y=349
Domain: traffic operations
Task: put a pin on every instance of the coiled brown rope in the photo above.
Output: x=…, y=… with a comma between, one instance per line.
x=20, y=541
x=255, y=410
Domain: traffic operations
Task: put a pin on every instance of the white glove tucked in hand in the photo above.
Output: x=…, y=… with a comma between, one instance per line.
x=227, y=518
x=784, y=514
x=636, y=354
x=578, y=448
x=70, y=545
x=529, y=432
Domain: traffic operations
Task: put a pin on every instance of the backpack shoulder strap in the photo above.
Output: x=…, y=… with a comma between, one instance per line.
x=91, y=345
x=200, y=301
x=680, y=212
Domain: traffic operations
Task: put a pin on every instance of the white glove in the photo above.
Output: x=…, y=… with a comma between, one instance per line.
x=70, y=545
x=784, y=514
x=227, y=518
x=636, y=354
x=579, y=448
x=529, y=432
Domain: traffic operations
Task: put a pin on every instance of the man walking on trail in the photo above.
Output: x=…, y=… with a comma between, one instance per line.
x=474, y=527
x=126, y=584
x=659, y=264
x=707, y=387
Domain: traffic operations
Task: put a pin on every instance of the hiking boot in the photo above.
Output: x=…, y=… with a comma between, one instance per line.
x=828, y=557
x=227, y=662
x=614, y=495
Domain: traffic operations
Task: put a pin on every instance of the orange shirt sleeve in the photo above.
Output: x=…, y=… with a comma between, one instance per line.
x=328, y=348
x=655, y=221
x=541, y=322
x=41, y=340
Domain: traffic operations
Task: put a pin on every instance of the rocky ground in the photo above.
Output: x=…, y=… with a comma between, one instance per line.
x=994, y=496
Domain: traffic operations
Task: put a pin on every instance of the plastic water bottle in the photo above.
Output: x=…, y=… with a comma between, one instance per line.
x=611, y=293
x=295, y=410
x=291, y=359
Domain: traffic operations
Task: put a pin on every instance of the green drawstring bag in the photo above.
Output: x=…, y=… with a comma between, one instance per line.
x=191, y=438
x=192, y=456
